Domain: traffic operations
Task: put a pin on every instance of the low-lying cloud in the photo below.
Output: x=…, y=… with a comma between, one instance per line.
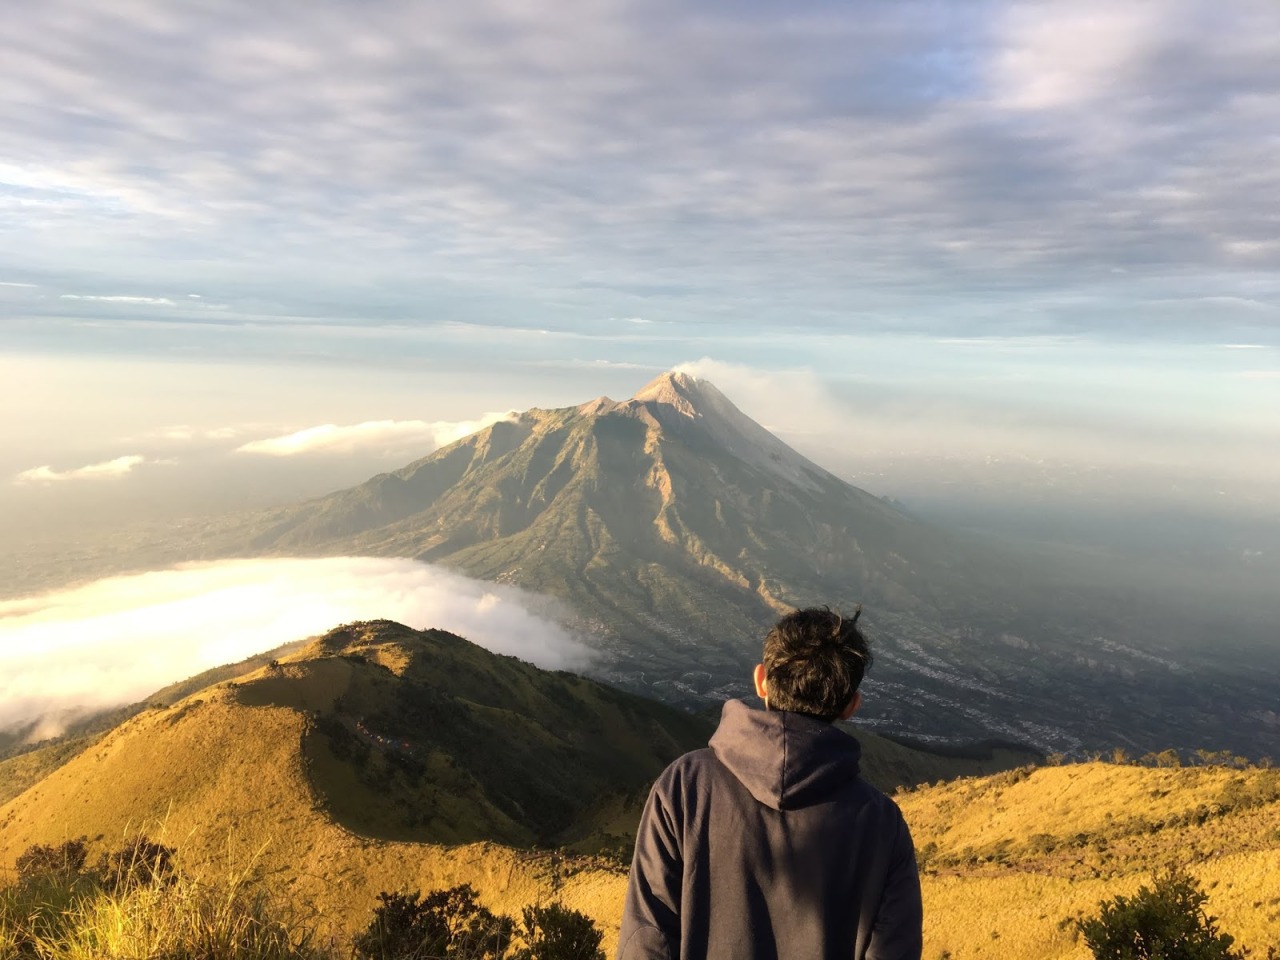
x=118, y=467
x=392, y=434
x=117, y=640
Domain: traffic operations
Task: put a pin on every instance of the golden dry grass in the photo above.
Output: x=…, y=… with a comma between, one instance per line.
x=235, y=775
x=1009, y=856
x=1009, y=860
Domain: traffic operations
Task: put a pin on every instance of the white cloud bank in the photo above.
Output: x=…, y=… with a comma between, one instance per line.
x=117, y=640
x=118, y=467
x=394, y=434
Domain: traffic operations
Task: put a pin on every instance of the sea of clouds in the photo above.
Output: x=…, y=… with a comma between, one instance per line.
x=116, y=640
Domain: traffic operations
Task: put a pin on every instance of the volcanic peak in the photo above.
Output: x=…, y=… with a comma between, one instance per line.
x=683, y=406
x=681, y=391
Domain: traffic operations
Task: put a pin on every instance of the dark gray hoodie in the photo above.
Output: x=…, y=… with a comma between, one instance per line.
x=771, y=846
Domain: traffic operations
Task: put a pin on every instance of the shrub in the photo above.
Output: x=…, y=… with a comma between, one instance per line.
x=446, y=923
x=63, y=862
x=140, y=861
x=1042, y=843
x=452, y=924
x=554, y=932
x=1166, y=921
x=1165, y=758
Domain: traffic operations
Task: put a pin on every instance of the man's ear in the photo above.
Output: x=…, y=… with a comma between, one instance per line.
x=853, y=706
x=762, y=687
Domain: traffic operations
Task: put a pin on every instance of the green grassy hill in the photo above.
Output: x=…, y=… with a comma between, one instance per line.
x=377, y=757
x=420, y=735
x=25, y=763
x=423, y=736
x=247, y=770
x=29, y=767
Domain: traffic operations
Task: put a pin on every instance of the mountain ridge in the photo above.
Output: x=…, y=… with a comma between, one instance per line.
x=674, y=530
x=376, y=757
x=247, y=768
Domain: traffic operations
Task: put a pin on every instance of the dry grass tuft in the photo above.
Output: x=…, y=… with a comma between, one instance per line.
x=144, y=914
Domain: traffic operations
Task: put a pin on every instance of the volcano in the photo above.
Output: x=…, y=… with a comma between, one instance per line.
x=675, y=529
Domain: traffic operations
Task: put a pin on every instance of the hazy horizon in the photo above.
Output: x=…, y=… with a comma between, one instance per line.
x=291, y=431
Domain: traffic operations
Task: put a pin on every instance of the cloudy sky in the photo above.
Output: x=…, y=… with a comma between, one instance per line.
x=267, y=233
x=252, y=252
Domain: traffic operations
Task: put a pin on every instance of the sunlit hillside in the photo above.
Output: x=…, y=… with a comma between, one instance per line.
x=364, y=761
x=346, y=765
x=216, y=795
x=1010, y=859
x=23, y=764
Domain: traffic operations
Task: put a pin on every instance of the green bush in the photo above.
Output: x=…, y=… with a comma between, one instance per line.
x=1166, y=921
x=554, y=932
x=447, y=923
x=452, y=924
x=42, y=862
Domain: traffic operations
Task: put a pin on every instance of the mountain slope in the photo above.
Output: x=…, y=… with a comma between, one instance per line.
x=676, y=529
x=1009, y=860
x=357, y=762
x=327, y=762
x=670, y=515
x=411, y=735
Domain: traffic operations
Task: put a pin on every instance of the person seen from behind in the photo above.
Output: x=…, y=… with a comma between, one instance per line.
x=769, y=844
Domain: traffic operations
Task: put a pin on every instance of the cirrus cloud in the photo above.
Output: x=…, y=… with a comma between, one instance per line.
x=156, y=301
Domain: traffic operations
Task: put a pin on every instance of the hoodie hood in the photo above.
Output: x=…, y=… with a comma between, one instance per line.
x=786, y=760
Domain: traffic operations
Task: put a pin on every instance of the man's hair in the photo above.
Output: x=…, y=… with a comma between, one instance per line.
x=814, y=660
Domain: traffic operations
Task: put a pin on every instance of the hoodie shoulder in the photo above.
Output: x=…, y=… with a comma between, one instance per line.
x=786, y=760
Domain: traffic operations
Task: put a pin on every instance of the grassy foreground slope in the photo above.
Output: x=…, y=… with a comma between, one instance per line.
x=347, y=766
x=1008, y=858
x=343, y=766
x=235, y=785
x=23, y=765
